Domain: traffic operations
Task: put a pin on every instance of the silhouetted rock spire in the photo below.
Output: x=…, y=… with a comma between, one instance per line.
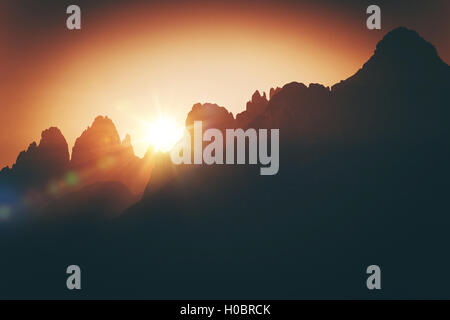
x=99, y=140
x=99, y=155
x=254, y=108
x=273, y=91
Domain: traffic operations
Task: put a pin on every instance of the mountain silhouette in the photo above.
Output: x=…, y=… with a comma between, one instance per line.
x=95, y=202
x=255, y=107
x=44, y=174
x=399, y=93
x=363, y=174
x=39, y=162
x=401, y=58
x=99, y=155
x=97, y=141
x=212, y=116
x=363, y=180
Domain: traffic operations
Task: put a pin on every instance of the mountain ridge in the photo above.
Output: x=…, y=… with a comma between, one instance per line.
x=363, y=179
x=305, y=114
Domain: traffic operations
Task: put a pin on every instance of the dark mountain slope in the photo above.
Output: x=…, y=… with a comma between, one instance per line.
x=96, y=202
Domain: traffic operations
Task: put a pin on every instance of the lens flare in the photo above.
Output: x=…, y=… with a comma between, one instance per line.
x=5, y=212
x=71, y=178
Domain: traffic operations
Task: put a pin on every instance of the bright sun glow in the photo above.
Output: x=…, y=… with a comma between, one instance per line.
x=163, y=134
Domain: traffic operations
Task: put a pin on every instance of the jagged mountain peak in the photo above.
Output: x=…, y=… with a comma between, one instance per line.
x=39, y=162
x=98, y=139
x=52, y=136
x=257, y=95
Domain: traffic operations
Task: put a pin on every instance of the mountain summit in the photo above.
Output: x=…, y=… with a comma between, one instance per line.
x=401, y=57
x=100, y=155
x=395, y=42
x=40, y=162
x=99, y=140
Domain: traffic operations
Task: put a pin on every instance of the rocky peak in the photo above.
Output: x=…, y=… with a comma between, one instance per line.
x=98, y=140
x=402, y=59
x=273, y=91
x=212, y=116
x=258, y=103
x=40, y=162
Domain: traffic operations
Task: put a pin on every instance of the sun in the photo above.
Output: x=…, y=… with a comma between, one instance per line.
x=164, y=133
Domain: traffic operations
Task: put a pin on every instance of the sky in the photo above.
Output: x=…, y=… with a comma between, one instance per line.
x=135, y=60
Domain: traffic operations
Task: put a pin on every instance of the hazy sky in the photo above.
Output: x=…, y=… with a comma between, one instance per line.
x=135, y=59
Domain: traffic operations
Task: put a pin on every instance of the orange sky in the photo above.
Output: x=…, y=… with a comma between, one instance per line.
x=133, y=62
